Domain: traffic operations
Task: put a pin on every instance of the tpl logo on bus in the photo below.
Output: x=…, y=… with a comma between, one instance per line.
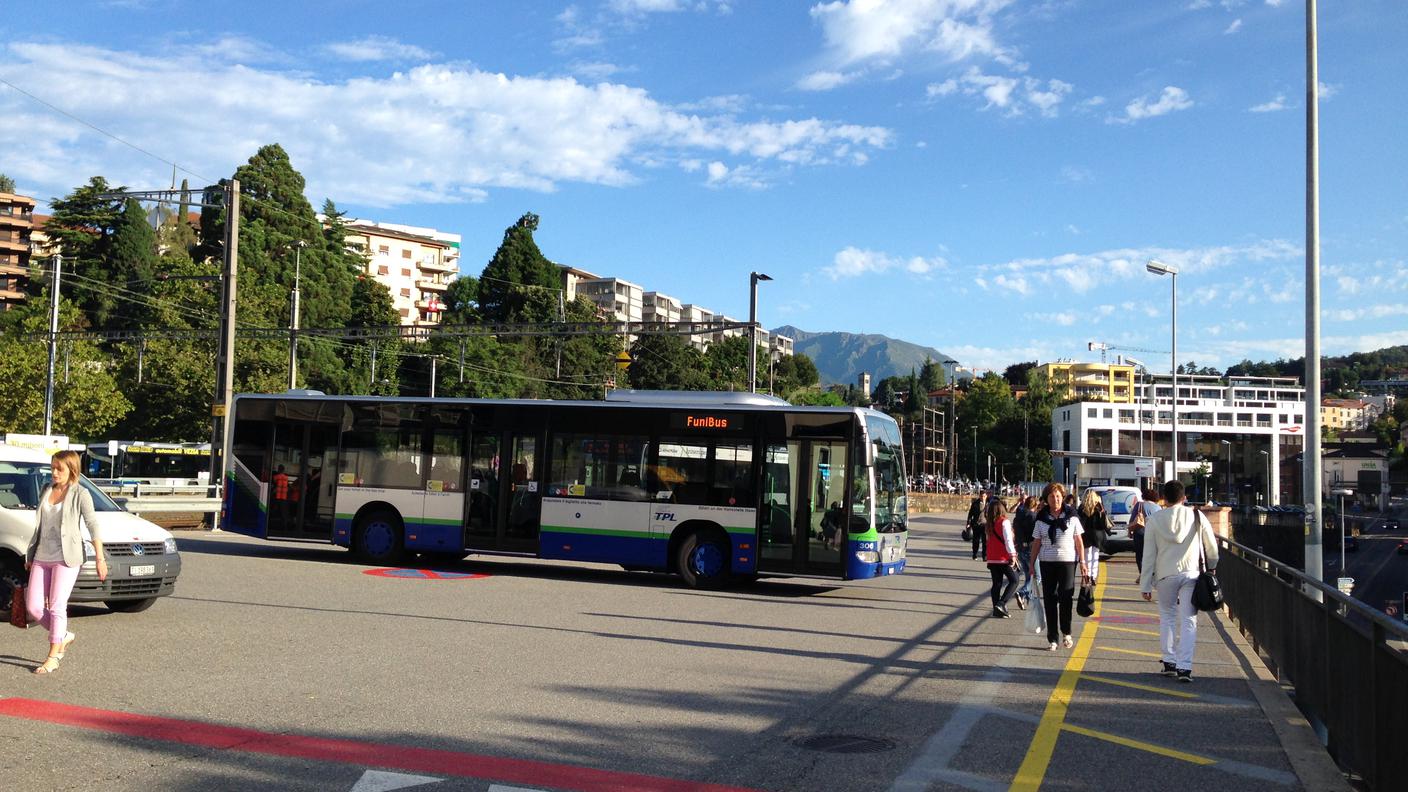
x=665, y=516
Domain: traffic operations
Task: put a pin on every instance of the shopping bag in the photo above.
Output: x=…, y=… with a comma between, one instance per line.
x=1085, y=603
x=1035, y=619
x=18, y=617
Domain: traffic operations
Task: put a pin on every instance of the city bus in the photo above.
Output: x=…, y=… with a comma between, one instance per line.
x=165, y=464
x=711, y=486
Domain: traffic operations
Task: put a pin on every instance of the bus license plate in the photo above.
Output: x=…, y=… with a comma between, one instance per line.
x=144, y=569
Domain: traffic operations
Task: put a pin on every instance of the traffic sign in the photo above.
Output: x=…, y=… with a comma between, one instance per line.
x=1346, y=586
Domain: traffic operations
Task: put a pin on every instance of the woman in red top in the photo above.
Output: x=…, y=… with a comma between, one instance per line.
x=1001, y=557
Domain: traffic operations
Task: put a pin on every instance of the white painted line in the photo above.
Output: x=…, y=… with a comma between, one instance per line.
x=381, y=781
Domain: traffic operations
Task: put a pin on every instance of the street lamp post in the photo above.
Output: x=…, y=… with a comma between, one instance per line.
x=1268, y=476
x=293, y=321
x=975, y=454
x=1342, y=493
x=1228, y=443
x=753, y=278
x=1159, y=268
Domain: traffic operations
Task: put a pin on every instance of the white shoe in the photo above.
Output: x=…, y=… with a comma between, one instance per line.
x=1066, y=642
x=1052, y=647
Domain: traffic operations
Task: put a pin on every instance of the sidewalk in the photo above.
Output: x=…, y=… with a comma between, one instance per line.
x=1111, y=720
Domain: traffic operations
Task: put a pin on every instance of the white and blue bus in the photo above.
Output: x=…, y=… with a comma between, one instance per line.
x=712, y=486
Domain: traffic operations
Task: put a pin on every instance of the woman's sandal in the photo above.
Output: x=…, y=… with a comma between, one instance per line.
x=46, y=668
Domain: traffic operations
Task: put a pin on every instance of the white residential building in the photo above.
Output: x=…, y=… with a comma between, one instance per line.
x=695, y=313
x=415, y=263
x=620, y=300
x=572, y=278
x=657, y=307
x=1261, y=420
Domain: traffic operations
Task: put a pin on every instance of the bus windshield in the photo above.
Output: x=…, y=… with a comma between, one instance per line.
x=891, y=504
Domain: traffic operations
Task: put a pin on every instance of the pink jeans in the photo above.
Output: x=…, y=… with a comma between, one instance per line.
x=46, y=597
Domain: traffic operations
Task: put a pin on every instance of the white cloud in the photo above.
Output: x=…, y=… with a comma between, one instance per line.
x=645, y=6
x=851, y=262
x=1082, y=272
x=825, y=80
x=595, y=71
x=1279, y=103
x=1275, y=3
x=864, y=30
x=1328, y=90
x=720, y=175
x=999, y=358
x=353, y=139
x=1063, y=319
x=1380, y=311
x=1012, y=95
x=1171, y=99
x=1075, y=174
x=377, y=48
x=1234, y=27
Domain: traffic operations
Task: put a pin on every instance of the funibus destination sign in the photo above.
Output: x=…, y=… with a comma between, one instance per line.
x=709, y=422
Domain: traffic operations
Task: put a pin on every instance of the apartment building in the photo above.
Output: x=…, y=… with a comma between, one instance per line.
x=16, y=223
x=1345, y=415
x=619, y=300
x=572, y=278
x=1105, y=382
x=696, y=313
x=1248, y=430
x=781, y=347
x=659, y=307
x=415, y=263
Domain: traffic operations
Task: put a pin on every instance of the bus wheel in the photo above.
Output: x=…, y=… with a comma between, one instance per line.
x=378, y=538
x=703, y=559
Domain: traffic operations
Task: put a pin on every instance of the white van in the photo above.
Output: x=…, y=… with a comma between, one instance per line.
x=142, y=560
x=1119, y=503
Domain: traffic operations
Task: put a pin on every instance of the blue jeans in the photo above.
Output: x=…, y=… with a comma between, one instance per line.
x=1024, y=552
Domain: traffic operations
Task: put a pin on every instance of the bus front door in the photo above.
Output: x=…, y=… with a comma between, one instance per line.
x=803, y=527
x=482, y=521
x=504, y=502
x=523, y=506
x=301, y=498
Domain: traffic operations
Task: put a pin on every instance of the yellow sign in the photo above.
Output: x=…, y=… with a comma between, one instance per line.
x=623, y=361
x=217, y=410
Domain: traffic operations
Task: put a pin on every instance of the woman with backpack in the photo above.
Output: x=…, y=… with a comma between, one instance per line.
x=1057, y=547
x=1001, y=556
x=1097, y=527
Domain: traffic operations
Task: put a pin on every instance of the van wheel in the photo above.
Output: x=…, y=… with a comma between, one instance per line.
x=130, y=606
x=378, y=538
x=702, y=559
x=11, y=575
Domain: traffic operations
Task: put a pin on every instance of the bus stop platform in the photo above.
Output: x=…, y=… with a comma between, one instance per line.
x=1100, y=715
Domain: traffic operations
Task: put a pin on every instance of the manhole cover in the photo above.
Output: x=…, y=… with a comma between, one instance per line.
x=844, y=743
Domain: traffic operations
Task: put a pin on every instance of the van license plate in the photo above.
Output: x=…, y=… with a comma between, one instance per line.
x=144, y=569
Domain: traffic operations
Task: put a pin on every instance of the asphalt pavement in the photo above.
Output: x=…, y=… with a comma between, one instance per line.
x=278, y=666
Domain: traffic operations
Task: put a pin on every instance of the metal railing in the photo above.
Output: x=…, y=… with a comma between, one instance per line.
x=1347, y=661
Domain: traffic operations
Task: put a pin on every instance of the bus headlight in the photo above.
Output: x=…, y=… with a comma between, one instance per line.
x=170, y=546
x=867, y=556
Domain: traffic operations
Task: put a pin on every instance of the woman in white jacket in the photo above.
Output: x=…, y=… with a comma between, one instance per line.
x=1175, y=540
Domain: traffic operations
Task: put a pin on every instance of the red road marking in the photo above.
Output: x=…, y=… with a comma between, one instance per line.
x=353, y=752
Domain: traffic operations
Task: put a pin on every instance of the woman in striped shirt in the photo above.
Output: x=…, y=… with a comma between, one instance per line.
x=1058, y=550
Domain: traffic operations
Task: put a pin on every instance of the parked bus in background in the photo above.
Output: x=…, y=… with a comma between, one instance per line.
x=712, y=486
x=165, y=464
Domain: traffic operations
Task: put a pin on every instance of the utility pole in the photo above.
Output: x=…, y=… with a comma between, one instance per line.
x=293, y=320
x=433, y=358
x=225, y=358
x=371, y=385
x=1312, y=480
x=58, y=263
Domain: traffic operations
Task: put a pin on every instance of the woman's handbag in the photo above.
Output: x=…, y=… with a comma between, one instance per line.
x=1085, y=602
x=18, y=616
x=1207, y=591
x=1035, y=620
x=967, y=533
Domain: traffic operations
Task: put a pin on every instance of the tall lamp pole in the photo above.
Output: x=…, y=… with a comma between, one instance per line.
x=1159, y=268
x=1268, y=476
x=1228, y=443
x=753, y=278
x=1342, y=493
x=58, y=264
x=1311, y=469
x=293, y=320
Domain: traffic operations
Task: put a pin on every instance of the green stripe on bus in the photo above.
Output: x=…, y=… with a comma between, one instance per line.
x=573, y=529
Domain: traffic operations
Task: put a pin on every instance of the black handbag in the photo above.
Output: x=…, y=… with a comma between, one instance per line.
x=1085, y=602
x=1207, y=591
x=967, y=533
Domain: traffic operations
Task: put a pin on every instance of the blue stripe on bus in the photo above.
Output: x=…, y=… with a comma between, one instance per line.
x=434, y=536
x=639, y=551
x=243, y=513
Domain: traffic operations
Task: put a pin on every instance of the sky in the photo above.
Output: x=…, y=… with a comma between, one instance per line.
x=987, y=177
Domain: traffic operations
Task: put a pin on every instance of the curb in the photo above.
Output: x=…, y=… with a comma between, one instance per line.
x=1307, y=756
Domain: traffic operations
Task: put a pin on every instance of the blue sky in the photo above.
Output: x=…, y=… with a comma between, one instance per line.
x=984, y=176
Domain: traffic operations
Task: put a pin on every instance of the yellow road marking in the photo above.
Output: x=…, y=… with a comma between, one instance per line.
x=1131, y=651
x=1129, y=612
x=1134, y=630
x=1137, y=686
x=1038, y=759
x=1143, y=746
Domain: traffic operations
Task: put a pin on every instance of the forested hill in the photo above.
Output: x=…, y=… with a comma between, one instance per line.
x=841, y=357
x=1338, y=373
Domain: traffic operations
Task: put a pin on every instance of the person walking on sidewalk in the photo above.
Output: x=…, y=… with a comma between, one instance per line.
x=1143, y=510
x=1057, y=547
x=56, y=554
x=975, y=526
x=1176, y=540
x=1001, y=557
x=1022, y=524
x=1097, y=526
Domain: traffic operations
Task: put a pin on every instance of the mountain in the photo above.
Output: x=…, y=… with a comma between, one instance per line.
x=841, y=357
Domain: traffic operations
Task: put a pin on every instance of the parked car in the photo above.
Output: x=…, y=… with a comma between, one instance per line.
x=143, y=563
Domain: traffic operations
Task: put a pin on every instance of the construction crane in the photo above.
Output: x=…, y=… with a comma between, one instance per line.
x=1103, y=347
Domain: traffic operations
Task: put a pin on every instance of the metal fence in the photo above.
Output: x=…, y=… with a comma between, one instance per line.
x=1347, y=661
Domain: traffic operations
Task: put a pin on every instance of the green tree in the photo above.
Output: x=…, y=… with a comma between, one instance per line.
x=461, y=301
x=727, y=363
x=932, y=375
x=87, y=400
x=519, y=269
x=132, y=263
x=7, y=185
x=81, y=226
x=666, y=362
x=1016, y=374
